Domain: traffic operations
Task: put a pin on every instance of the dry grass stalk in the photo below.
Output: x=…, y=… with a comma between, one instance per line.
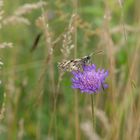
x=21, y=129
x=2, y=110
x=44, y=26
x=104, y=119
x=1, y=63
x=42, y=23
x=1, y=12
x=128, y=28
x=89, y=132
x=3, y=45
x=29, y=7
x=108, y=42
x=15, y=20
x=6, y=45
x=18, y=15
x=68, y=44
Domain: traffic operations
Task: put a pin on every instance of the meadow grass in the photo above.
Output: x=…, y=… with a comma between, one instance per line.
x=37, y=101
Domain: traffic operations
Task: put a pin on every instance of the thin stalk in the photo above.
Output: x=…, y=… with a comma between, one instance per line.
x=53, y=118
x=77, y=132
x=122, y=20
x=93, y=112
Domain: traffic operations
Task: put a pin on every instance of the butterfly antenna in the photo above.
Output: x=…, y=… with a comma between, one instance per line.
x=96, y=52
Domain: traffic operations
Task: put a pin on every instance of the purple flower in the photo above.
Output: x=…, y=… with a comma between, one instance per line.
x=90, y=80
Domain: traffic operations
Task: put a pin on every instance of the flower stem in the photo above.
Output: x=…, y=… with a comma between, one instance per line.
x=93, y=112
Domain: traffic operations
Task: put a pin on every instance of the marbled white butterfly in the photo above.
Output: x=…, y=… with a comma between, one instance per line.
x=75, y=64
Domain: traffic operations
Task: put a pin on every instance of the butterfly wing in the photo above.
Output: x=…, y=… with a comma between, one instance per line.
x=71, y=65
x=74, y=65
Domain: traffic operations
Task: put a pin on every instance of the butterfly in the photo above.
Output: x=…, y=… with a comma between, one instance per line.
x=75, y=64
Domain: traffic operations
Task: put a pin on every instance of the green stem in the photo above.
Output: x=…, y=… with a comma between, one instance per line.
x=93, y=112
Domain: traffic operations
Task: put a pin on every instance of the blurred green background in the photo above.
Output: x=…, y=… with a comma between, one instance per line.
x=37, y=101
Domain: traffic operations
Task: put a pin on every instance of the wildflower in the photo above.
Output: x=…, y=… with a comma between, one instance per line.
x=90, y=80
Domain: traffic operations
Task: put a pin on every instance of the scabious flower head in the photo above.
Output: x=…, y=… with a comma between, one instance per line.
x=89, y=80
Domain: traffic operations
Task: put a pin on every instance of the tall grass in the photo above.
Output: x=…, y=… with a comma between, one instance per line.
x=36, y=99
